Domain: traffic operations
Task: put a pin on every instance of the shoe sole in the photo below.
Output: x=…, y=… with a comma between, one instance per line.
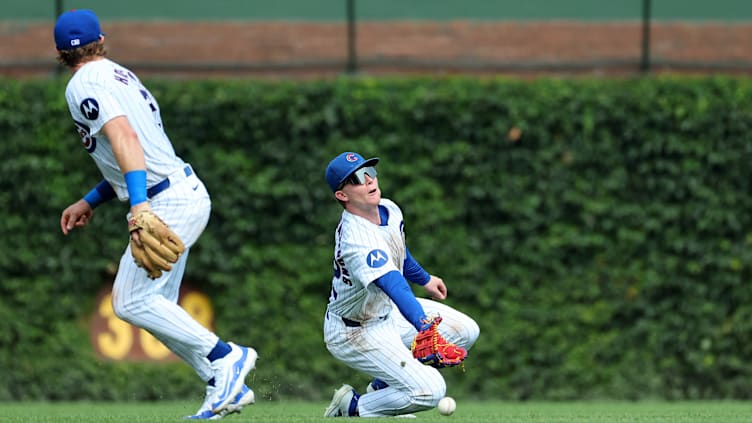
x=247, y=399
x=331, y=411
x=206, y=415
x=248, y=365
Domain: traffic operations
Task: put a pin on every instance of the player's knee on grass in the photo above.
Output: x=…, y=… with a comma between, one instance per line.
x=429, y=394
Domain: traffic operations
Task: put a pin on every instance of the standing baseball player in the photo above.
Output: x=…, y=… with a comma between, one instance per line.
x=121, y=128
x=374, y=323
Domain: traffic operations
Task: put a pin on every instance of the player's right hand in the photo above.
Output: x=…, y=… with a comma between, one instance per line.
x=77, y=215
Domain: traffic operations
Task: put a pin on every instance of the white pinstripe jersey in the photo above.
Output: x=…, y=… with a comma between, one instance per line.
x=101, y=90
x=363, y=252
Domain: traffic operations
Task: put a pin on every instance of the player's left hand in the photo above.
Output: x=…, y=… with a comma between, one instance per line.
x=430, y=348
x=436, y=288
x=135, y=235
x=77, y=215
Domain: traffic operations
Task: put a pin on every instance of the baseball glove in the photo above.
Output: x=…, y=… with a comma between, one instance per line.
x=160, y=246
x=430, y=348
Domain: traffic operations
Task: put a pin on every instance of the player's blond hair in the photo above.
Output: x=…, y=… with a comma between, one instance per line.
x=71, y=58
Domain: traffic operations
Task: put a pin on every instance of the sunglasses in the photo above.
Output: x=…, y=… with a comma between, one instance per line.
x=359, y=176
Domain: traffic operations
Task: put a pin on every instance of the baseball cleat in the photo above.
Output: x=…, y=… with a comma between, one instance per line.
x=229, y=375
x=205, y=413
x=344, y=403
x=245, y=397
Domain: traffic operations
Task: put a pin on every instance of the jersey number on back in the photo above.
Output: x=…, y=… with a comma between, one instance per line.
x=340, y=272
x=152, y=107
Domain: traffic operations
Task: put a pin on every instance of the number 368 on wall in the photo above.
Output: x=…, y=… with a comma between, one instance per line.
x=116, y=339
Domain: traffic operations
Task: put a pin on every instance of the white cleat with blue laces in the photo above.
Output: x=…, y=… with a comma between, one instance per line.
x=229, y=375
x=243, y=398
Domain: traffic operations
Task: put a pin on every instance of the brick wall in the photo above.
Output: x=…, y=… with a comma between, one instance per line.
x=304, y=49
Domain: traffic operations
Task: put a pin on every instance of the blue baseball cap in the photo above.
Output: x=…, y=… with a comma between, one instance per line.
x=342, y=166
x=76, y=28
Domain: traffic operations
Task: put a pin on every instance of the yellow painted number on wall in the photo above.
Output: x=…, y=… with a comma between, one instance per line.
x=198, y=305
x=117, y=340
x=152, y=347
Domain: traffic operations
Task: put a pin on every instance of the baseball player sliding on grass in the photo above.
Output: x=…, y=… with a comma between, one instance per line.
x=121, y=128
x=374, y=322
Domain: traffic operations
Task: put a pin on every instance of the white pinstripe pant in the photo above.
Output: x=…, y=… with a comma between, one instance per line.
x=376, y=348
x=382, y=346
x=152, y=304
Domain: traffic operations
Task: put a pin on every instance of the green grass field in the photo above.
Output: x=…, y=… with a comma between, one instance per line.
x=467, y=412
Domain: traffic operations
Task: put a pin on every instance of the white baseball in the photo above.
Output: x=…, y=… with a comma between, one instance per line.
x=446, y=406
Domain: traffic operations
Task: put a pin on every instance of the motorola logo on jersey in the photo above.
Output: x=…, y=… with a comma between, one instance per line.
x=376, y=258
x=90, y=108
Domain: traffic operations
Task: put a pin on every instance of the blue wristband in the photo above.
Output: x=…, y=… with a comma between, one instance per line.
x=101, y=193
x=93, y=198
x=136, y=182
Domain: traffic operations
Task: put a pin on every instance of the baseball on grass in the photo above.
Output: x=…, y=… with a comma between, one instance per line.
x=446, y=406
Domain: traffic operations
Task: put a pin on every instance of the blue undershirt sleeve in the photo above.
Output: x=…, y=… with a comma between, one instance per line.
x=413, y=271
x=396, y=287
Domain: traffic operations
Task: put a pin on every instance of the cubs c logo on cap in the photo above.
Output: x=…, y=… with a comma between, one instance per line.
x=376, y=259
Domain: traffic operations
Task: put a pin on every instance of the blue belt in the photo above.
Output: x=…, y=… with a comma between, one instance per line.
x=156, y=189
x=355, y=324
x=351, y=323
